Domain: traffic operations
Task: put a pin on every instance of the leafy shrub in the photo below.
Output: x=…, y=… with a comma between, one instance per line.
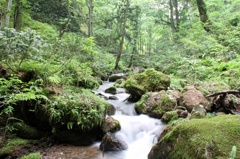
x=83, y=111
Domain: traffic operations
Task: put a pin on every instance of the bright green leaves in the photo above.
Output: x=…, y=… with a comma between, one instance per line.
x=79, y=111
x=19, y=46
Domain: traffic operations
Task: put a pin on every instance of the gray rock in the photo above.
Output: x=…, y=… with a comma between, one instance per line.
x=111, y=143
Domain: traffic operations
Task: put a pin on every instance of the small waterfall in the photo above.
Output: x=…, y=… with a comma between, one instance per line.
x=139, y=131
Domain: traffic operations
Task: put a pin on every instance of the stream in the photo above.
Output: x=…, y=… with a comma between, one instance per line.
x=140, y=132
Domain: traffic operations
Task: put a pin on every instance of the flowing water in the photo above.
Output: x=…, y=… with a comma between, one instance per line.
x=140, y=132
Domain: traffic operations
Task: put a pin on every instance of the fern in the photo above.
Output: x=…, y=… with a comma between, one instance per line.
x=55, y=79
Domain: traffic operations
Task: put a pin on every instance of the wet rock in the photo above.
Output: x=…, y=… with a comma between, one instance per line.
x=149, y=80
x=198, y=112
x=110, y=110
x=111, y=90
x=113, y=97
x=193, y=97
x=115, y=77
x=110, y=125
x=111, y=143
x=155, y=104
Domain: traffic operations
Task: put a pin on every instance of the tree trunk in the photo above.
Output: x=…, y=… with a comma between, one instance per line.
x=203, y=15
x=90, y=14
x=171, y=16
x=2, y=19
x=123, y=35
x=64, y=26
x=177, y=14
x=8, y=12
x=18, y=15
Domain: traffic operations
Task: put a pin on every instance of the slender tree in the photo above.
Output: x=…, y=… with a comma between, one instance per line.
x=90, y=17
x=203, y=15
x=8, y=12
x=18, y=15
x=125, y=16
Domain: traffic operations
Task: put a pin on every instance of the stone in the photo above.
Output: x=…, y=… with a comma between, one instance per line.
x=110, y=125
x=115, y=77
x=111, y=90
x=111, y=143
x=193, y=97
x=155, y=104
x=148, y=81
x=113, y=97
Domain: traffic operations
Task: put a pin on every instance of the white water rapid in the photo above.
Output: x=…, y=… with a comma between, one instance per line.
x=139, y=131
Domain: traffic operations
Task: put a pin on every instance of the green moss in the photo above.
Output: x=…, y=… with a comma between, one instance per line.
x=196, y=138
x=170, y=116
x=167, y=103
x=149, y=80
x=112, y=90
x=140, y=106
x=10, y=145
x=36, y=155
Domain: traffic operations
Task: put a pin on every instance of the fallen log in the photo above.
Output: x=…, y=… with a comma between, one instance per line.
x=224, y=92
x=222, y=103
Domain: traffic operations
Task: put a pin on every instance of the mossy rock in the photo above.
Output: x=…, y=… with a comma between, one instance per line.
x=119, y=83
x=169, y=116
x=25, y=131
x=200, y=138
x=115, y=77
x=110, y=110
x=155, y=104
x=111, y=90
x=11, y=144
x=111, y=125
x=148, y=81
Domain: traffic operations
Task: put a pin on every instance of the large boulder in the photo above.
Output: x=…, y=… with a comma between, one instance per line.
x=115, y=77
x=155, y=104
x=110, y=125
x=148, y=81
x=192, y=97
x=200, y=138
x=111, y=143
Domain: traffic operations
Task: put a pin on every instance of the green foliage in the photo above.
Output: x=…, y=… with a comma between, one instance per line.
x=19, y=46
x=35, y=155
x=83, y=111
x=11, y=144
x=13, y=91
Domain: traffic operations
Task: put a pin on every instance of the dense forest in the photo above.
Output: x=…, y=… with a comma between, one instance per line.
x=53, y=53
